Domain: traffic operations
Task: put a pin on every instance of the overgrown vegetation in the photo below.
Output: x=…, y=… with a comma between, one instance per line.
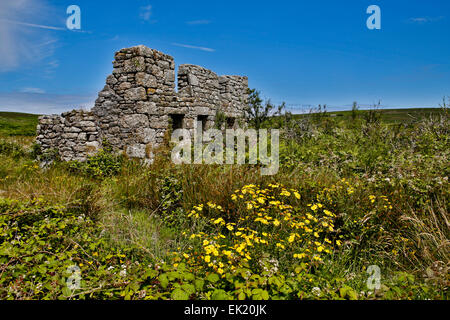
x=352, y=192
x=18, y=124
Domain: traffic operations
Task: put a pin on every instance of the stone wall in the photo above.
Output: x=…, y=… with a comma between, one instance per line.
x=74, y=134
x=233, y=90
x=138, y=103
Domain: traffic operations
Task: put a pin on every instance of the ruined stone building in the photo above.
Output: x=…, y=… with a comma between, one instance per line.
x=139, y=103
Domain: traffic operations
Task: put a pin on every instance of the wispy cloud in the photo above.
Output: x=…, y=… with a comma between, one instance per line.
x=193, y=47
x=198, y=22
x=145, y=12
x=40, y=26
x=44, y=103
x=32, y=90
x=22, y=43
x=421, y=20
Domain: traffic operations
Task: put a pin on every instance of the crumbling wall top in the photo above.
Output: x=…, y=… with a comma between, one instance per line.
x=138, y=104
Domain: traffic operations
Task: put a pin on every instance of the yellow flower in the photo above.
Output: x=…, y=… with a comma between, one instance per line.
x=219, y=220
x=297, y=195
x=207, y=258
x=291, y=237
x=328, y=213
x=262, y=220
x=276, y=223
x=227, y=253
x=261, y=200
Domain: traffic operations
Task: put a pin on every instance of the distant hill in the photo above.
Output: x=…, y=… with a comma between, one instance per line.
x=390, y=115
x=18, y=124
x=24, y=124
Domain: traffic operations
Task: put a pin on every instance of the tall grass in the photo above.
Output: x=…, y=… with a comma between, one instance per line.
x=146, y=206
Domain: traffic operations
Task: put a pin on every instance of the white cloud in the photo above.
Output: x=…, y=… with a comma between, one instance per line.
x=145, y=13
x=32, y=90
x=25, y=37
x=421, y=20
x=193, y=47
x=44, y=103
x=198, y=22
x=40, y=26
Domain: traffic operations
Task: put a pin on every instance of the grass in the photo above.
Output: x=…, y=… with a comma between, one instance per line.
x=389, y=115
x=385, y=185
x=397, y=115
x=18, y=124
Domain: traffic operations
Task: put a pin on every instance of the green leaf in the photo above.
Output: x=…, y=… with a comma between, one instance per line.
x=66, y=292
x=347, y=292
x=179, y=294
x=212, y=278
x=163, y=280
x=189, y=288
x=188, y=276
x=220, y=295
x=199, y=283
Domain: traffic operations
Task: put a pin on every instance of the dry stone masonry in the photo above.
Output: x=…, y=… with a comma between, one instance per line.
x=139, y=103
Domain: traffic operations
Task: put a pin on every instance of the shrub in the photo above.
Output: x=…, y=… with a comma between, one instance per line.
x=268, y=225
x=103, y=164
x=11, y=149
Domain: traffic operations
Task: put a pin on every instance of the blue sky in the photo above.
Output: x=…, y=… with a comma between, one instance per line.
x=301, y=52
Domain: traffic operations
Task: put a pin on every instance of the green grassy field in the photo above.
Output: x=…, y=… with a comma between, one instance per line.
x=24, y=124
x=351, y=193
x=396, y=115
x=388, y=115
x=18, y=124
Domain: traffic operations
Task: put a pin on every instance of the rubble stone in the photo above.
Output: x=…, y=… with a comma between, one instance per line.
x=139, y=102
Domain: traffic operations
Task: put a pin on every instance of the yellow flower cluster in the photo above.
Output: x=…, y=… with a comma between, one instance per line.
x=269, y=221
